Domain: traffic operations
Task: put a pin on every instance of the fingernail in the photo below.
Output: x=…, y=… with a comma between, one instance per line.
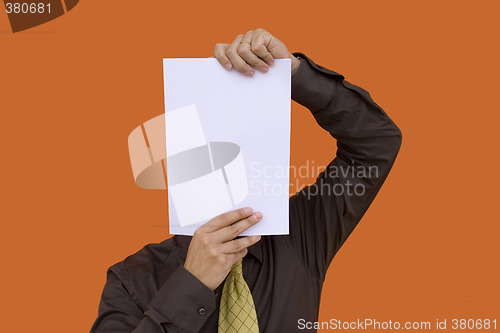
x=265, y=69
x=257, y=215
x=248, y=210
x=256, y=238
x=227, y=66
x=250, y=73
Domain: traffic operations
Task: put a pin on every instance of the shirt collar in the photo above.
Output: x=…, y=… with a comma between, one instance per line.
x=256, y=249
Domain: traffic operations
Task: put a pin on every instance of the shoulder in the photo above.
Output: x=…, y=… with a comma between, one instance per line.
x=152, y=258
x=141, y=274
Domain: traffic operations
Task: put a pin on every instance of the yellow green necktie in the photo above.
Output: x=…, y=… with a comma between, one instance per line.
x=237, y=310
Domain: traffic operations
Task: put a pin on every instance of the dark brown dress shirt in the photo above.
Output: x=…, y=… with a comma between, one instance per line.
x=151, y=291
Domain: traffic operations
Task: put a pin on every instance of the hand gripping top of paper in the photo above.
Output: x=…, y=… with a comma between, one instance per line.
x=205, y=179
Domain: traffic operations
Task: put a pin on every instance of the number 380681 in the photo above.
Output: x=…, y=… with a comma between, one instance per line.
x=25, y=8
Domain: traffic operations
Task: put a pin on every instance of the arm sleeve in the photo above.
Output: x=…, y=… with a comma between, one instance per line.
x=325, y=213
x=182, y=304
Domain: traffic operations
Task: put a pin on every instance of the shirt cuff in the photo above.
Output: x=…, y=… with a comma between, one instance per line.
x=183, y=301
x=313, y=86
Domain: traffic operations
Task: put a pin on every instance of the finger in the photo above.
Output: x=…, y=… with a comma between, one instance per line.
x=226, y=219
x=220, y=54
x=248, y=36
x=245, y=52
x=236, y=60
x=233, y=230
x=237, y=245
x=260, y=44
x=234, y=258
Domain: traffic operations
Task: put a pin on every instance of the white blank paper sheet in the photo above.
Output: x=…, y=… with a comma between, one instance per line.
x=228, y=143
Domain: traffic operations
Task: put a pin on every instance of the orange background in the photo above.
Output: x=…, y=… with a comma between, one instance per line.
x=74, y=88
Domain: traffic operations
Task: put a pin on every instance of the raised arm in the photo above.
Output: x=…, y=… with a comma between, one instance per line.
x=325, y=213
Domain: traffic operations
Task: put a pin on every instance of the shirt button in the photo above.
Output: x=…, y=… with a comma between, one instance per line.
x=201, y=311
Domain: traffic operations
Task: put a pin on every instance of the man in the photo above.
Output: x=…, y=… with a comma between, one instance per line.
x=176, y=286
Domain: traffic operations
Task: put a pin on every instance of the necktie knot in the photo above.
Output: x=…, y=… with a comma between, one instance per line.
x=237, y=268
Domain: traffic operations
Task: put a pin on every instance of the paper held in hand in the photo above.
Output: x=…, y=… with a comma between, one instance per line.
x=228, y=143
